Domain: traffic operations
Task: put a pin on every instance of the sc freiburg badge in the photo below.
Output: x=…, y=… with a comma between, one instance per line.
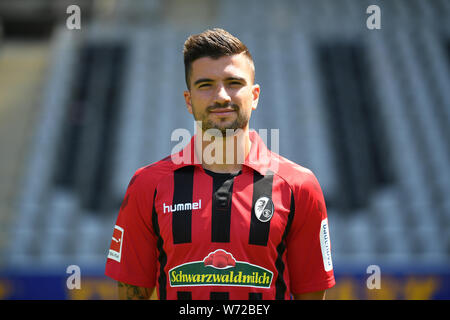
x=264, y=209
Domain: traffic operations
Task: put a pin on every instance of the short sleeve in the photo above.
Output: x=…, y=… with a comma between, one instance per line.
x=308, y=242
x=132, y=253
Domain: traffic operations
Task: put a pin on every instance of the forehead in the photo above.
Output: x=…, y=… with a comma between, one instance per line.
x=238, y=65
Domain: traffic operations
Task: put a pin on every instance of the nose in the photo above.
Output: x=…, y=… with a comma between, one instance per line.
x=222, y=95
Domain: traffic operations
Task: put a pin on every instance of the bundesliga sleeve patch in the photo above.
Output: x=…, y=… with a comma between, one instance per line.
x=115, y=249
x=325, y=245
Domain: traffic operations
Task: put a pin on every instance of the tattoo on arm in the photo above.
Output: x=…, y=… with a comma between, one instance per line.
x=130, y=292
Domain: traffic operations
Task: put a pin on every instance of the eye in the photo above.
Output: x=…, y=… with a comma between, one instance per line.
x=235, y=83
x=204, y=85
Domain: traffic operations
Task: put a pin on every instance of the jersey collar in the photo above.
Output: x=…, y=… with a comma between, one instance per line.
x=260, y=158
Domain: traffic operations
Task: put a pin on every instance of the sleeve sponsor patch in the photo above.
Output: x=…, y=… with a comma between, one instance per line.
x=115, y=249
x=325, y=245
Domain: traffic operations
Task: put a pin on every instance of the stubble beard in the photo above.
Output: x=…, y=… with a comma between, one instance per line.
x=224, y=126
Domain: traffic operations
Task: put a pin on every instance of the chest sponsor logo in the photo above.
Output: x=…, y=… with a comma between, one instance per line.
x=264, y=209
x=115, y=250
x=220, y=268
x=182, y=206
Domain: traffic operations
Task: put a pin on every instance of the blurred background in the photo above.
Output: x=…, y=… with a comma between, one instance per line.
x=367, y=110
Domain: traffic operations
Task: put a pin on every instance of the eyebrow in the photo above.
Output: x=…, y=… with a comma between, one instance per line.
x=236, y=79
x=227, y=79
x=202, y=80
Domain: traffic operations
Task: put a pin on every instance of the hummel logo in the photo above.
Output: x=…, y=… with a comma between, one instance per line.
x=182, y=206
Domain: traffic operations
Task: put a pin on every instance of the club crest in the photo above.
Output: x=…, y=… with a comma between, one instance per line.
x=264, y=209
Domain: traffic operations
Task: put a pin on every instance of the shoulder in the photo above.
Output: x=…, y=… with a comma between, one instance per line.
x=148, y=176
x=306, y=191
x=297, y=176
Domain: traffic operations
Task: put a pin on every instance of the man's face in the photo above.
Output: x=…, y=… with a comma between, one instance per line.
x=222, y=94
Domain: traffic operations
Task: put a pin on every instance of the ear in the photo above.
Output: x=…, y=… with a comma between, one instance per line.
x=255, y=93
x=187, y=99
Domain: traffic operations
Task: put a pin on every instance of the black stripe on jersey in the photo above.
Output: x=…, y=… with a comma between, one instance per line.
x=280, y=284
x=262, y=187
x=221, y=209
x=254, y=296
x=162, y=258
x=219, y=296
x=184, y=295
x=182, y=193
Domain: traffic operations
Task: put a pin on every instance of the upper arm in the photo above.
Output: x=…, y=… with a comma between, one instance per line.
x=132, y=257
x=318, y=295
x=130, y=292
x=308, y=242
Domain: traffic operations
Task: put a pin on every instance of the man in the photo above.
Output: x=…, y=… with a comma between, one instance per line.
x=225, y=218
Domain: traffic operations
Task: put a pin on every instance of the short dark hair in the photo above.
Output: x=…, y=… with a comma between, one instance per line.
x=213, y=43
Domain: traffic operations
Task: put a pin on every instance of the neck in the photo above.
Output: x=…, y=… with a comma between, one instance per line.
x=223, y=154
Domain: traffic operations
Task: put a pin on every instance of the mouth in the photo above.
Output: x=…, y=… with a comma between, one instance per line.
x=222, y=111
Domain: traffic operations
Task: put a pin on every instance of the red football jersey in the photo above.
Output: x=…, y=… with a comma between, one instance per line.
x=259, y=234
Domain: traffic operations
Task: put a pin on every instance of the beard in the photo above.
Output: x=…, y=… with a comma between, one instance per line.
x=222, y=124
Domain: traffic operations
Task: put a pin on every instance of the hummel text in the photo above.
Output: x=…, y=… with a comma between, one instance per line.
x=182, y=206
